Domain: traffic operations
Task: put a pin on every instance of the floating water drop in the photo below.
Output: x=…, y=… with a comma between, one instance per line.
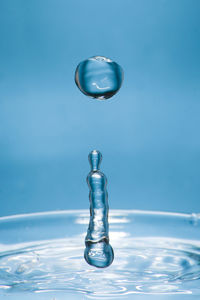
x=98, y=251
x=99, y=77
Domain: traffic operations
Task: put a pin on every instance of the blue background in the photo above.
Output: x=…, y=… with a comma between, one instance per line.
x=148, y=133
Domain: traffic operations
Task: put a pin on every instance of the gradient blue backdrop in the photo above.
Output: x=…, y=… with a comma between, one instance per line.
x=148, y=133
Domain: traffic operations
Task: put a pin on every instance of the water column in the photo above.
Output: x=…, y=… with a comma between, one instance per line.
x=98, y=251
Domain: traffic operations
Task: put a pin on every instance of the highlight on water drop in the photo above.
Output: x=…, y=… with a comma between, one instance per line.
x=99, y=77
x=98, y=251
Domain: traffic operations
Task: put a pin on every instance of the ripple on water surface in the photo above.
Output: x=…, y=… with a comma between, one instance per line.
x=146, y=265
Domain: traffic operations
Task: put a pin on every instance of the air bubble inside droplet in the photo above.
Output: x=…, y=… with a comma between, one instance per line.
x=99, y=77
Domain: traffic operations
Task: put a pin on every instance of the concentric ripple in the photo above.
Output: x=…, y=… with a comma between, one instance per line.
x=142, y=265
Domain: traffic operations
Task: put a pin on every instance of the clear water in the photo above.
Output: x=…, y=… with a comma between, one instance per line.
x=98, y=251
x=44, y=253
x=99, y=77
x=142, y=266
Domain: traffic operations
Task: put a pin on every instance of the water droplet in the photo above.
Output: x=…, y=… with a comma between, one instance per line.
x=99, y=77
x=98, y=251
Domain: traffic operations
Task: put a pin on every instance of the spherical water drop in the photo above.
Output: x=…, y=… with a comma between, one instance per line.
x=99, y=77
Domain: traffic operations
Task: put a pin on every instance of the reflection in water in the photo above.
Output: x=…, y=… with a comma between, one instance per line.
x=98, y=251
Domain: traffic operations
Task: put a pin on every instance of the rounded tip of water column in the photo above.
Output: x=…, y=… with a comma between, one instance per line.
x=99, y=254
x=95, y=158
